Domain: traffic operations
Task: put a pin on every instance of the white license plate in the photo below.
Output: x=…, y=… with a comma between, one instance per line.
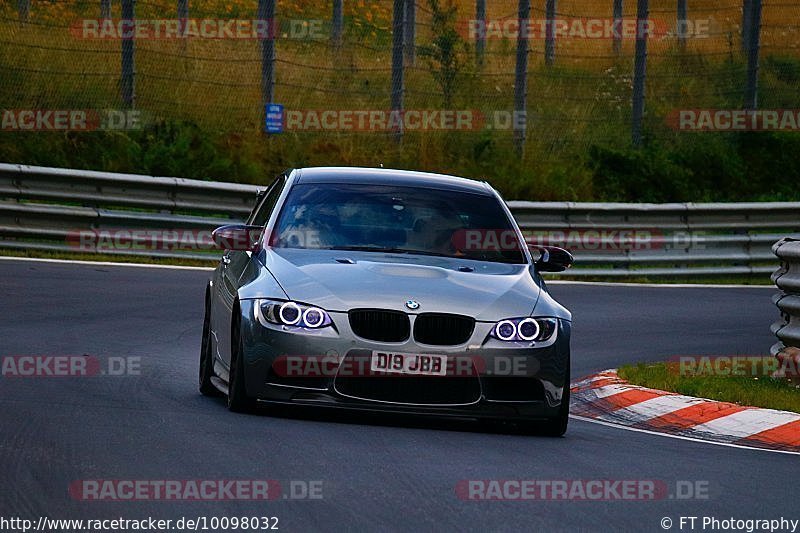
x=406, y=363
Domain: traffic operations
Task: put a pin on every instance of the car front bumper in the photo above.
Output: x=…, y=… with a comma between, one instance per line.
x=330, y=368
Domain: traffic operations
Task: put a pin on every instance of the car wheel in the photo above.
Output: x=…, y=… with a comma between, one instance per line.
x=206, y=357
x=238, y=401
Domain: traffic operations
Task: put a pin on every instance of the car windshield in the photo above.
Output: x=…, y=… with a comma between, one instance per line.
x=386, y=218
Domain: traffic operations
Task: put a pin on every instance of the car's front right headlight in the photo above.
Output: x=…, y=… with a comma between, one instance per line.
x=525, y=329
x=291, y=314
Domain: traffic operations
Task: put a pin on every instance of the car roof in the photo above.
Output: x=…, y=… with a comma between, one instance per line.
x=384, y=176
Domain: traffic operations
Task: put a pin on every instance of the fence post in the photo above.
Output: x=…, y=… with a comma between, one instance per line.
x=747, y=21
x=617, y=26
x=105, y=9
x=183, y=16
x=683, y=14
x=640, y=69
x=521, y=81
x=128, y=79
x=398, y=37
x=480, y=37
x=753, y=50
x=266, y=12
x=410, y=35
x=337, y=23
x=550, y=33
x=24, y=9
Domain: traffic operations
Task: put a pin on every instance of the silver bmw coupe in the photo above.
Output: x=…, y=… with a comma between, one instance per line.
x=386, y=290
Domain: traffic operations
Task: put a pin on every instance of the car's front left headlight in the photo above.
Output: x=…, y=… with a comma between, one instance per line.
x=291, y=314
x=526, y=329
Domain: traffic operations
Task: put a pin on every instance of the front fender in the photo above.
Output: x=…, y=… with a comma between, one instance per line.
x=547, y=306
x=254, y=349
x=258, y=282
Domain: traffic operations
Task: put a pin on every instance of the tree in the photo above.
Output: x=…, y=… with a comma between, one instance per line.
x=447, y=53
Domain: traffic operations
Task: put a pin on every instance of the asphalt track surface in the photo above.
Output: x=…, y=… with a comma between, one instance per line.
x=377, y=473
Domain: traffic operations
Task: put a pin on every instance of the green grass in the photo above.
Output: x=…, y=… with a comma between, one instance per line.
x=746, y=390
x=112, y=258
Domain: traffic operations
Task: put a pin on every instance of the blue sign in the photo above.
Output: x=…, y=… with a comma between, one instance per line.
x=274, y=118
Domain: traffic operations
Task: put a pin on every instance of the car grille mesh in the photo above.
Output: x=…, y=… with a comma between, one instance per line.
x=436, y=329
x=443, y=329
x=380, y=325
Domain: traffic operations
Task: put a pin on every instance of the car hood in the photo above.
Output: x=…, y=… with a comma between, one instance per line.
x=340, y=281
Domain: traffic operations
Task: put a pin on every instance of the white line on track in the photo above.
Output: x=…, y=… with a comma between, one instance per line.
x=103, y=263
x=680, y=437
x=549, y=282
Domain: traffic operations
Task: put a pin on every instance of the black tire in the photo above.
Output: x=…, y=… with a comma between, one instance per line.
x=238, y=401
x=206, y=357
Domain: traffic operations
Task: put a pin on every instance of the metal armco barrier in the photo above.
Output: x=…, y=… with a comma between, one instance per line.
x=40, y=208
x=787, y=279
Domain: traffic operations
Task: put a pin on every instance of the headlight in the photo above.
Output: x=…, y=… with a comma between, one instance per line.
x=525, y=329
x=291, y=314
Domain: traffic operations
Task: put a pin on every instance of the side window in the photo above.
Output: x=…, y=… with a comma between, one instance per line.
x=261, y=213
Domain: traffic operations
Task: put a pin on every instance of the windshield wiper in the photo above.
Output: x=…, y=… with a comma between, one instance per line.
x=388, y=250
x=391, y=250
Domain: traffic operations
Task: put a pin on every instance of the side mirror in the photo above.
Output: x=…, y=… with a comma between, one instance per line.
x=551, y=258
x=237, y=237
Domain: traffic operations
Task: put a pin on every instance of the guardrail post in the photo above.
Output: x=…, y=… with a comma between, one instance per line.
x=787, y=329
x=640, y=69
x=521, y=81
x=128, y=79
x=398, y=38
